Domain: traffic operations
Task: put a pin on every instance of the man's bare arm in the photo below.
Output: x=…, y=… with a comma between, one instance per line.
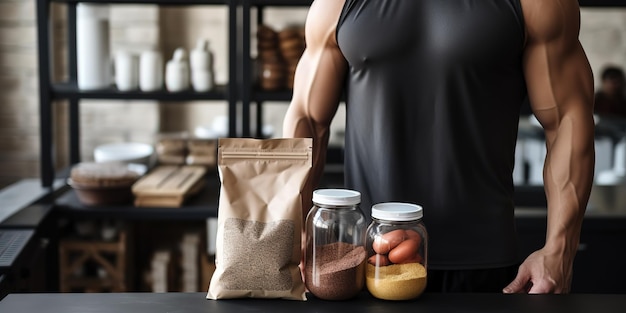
x=318, y=85
x=560, y=87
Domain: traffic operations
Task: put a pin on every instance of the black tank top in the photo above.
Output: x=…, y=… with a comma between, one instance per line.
x=433, y=99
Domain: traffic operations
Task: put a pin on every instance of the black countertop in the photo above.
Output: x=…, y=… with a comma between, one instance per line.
x=196, y=302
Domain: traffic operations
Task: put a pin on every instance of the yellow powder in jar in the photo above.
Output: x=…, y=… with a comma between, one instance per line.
x=396, y=281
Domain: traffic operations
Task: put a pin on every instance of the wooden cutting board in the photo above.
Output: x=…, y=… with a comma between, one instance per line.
x=168, y=185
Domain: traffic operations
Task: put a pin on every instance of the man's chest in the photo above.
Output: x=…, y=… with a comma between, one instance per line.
x=449, y=32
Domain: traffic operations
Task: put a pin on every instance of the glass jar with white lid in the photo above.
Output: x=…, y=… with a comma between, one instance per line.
x=335, y=245
x=397, y=243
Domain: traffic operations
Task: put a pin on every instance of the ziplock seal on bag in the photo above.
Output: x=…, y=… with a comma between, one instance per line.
x=258, y=245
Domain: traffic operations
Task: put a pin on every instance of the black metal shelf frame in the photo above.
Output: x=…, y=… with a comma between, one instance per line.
x=602, y=3
x=48, y=91
x=71, y=91
x=198, y=207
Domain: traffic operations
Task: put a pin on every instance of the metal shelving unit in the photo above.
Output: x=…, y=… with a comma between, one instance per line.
x=202, y=205
x=49, y=91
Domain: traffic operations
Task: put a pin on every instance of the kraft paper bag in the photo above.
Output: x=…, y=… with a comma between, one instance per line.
x=258, y=245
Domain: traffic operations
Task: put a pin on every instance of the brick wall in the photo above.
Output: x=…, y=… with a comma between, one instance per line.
x=603, y=35
x=19, y=132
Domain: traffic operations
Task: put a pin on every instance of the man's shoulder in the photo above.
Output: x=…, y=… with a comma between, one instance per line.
x=548, y=19
x=539, y=8
x=327, y=8
x=321, y=22
x=552, y=6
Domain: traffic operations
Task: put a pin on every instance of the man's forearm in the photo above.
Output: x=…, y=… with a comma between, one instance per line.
x=300, y=126
x=568, y=176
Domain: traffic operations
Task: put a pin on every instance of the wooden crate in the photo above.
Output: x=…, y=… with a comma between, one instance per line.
x=109, y=256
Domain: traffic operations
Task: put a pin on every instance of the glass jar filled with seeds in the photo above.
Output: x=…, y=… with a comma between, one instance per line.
x=335, y=245
x=397, y=245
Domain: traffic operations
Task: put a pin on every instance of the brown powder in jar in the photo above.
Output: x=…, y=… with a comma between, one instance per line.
x=396, y=281
x=337, y=272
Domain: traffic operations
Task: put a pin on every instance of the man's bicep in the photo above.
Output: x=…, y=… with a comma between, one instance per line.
x=318, y=83
x=558, y=74
x=320, y=74
x=558, y=83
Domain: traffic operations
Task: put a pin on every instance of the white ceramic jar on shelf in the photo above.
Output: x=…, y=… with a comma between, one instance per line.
x=177, y=72
x=94, y=68
x=150, y=71
x=201, y=64
x=126, y=71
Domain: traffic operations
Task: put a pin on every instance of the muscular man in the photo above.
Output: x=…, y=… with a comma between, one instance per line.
x=434, y=89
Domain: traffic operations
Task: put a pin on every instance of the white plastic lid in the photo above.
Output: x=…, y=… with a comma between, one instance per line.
x=340, y=197
x=397, y=211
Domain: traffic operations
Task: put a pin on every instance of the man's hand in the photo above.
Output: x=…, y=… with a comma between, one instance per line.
x=542, y=272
